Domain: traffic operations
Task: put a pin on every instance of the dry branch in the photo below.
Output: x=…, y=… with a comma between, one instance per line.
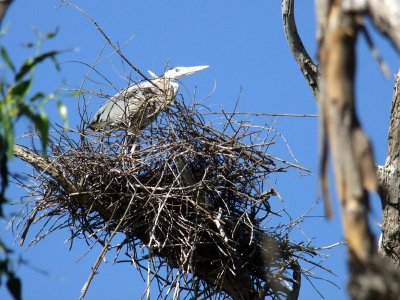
x=300, y=54
x=196, y=195
x=355, y=171
x=311, y=74
x=351, y=151
x=339, y=22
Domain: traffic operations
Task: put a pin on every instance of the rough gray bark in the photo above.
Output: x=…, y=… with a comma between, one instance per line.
x=389, y=189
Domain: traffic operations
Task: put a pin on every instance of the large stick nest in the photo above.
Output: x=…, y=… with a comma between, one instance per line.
x=195, y=193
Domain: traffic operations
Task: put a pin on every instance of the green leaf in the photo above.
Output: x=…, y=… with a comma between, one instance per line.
x=3, y=173
x=7, y=60
x=53, y=34
x=14, y=286
x=41, y=122
x=20, y=90
x=37, y=96
x=29, y=45
x=76, y=93
x=3, y=200
x=6, y=148
x=56, y=63
x=4, y=266
x=63, y=111
x=7, y=136
x=29, y=64
x=3, y=250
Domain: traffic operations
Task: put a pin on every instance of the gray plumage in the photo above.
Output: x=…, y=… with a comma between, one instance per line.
x=139, y=104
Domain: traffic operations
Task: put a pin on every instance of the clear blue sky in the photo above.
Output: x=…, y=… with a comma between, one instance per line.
x=244, y=43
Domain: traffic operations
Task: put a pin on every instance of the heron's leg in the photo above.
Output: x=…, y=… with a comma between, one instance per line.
x=133, y=149
x=129, y=148
x=103, y=136
x=187, y=179
x=131, y=138
x=131, y=144
x=125, y=151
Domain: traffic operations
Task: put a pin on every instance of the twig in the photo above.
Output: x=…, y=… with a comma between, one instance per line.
x=264, y=114
x=117, y=49
x=104, y=251
x=375, y=52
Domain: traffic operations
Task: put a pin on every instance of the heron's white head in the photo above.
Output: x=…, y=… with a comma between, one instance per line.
x=178, y=72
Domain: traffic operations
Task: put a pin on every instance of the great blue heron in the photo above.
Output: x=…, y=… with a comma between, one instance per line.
x=139, y=104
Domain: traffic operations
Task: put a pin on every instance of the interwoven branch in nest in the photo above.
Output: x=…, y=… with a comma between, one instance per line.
x=195, y=194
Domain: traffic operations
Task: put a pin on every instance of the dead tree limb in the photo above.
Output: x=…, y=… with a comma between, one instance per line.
x=386, y=17
x=355, y=171
x=350, y=148
x=338, y=25
x=300, y=54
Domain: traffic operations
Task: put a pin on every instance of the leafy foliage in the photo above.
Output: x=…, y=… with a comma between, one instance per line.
x=13, y=283
x=18, y=101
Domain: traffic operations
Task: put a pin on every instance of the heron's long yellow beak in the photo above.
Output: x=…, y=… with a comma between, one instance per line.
x=184, y=71
x=179, y=72
x=196, y=69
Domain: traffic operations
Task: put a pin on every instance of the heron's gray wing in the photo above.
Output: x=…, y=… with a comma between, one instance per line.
x=120, y=108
